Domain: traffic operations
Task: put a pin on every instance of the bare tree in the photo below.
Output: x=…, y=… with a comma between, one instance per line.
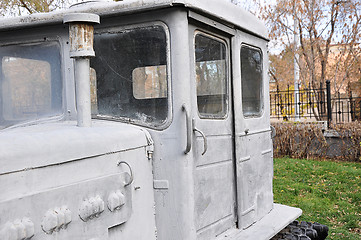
x=330, y=33
x=22, y=7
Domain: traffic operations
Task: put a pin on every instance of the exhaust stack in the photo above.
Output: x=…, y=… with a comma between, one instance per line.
x=81, y=35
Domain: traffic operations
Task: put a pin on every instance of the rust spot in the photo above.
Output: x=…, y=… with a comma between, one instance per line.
x=81, y=37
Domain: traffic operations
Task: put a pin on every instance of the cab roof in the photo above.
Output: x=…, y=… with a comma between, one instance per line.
x=223, y=11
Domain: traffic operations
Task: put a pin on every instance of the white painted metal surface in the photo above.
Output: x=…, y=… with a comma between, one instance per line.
x=279, y=217
x=214, y=169
x=223, y=11
x=67, y=184
x=115, y=180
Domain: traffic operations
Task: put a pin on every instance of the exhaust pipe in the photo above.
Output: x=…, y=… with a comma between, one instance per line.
x=81, y=35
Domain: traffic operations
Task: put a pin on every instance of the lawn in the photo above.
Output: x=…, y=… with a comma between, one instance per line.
x=328, y=192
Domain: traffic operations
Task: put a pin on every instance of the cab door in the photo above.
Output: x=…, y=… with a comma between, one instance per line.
x=254, y=163
x=213, y=145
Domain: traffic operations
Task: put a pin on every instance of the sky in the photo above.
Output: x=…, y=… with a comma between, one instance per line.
x=251, y=5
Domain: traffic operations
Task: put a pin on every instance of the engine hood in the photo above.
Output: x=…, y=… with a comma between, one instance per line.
x=42, y=145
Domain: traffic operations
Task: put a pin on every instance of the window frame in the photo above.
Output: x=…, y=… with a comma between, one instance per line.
x=223, y=40
x=121, y=28
x=259, y=114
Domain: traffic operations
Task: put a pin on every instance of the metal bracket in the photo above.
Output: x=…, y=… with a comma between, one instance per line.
x=131, y=173
x=150, y=147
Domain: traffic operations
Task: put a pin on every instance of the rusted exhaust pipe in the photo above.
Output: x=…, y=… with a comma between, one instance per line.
x=81, y=34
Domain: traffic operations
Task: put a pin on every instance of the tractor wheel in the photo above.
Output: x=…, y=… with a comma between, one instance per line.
x=303, y=231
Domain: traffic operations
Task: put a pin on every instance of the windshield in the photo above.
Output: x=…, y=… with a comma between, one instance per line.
x=131, y=75
x=30, y=82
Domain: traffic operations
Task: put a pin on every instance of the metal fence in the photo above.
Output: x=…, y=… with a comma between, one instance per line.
x=316, y=104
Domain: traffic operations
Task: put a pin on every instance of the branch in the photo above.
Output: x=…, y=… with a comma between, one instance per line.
x=304, y=53
x=274, y=76
x=26, y=6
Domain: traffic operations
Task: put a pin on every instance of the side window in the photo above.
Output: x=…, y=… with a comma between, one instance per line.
x=252, y=81
x=211, y=76
x=131, y=75
x=30, y=82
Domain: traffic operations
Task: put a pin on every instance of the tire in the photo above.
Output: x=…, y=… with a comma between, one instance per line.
x=303, y=231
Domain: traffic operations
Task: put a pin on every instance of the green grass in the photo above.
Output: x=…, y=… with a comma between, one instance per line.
x=328, y=192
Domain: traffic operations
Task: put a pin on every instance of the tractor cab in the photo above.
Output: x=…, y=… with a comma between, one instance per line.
x=137, y=120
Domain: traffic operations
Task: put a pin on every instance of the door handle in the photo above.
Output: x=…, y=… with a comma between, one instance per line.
x=205, y=144
x=188, y=130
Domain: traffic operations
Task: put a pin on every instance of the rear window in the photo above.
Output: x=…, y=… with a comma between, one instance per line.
x=132, y=75
x=252, y=81
x=30, y=82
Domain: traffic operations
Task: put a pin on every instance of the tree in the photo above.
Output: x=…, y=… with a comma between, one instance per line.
x=22, y=7
x=281, y=67
x=330, y=33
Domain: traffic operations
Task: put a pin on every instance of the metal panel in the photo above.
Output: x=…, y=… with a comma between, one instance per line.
x=78, y=198
x=215, y=24
x=214, y=174
x=253, y=144
x=277, y=219
x=32, y=147
x=215, y=143
x=89, y=209
x=213, y=189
